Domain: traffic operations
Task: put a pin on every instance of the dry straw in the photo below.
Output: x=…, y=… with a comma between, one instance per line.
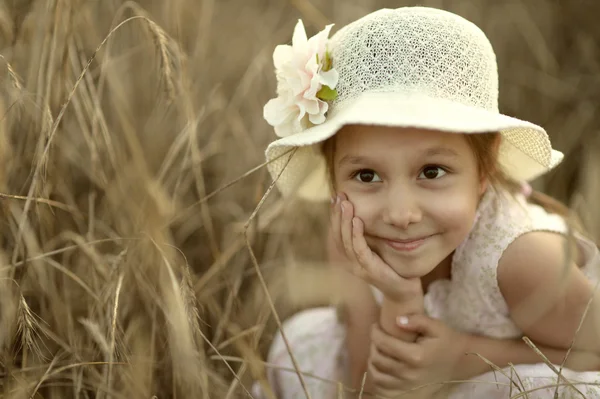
x=144, y=253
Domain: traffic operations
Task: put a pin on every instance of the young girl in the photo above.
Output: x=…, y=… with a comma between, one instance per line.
x=447, y=253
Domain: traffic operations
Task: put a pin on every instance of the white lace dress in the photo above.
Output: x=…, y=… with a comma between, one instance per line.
x=470, y=301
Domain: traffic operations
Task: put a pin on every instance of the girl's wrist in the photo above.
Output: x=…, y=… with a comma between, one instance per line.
x=414, y=305
x=410, y=291
x=392, y=311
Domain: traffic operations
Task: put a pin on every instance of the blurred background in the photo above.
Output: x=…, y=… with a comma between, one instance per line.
x=131, y=145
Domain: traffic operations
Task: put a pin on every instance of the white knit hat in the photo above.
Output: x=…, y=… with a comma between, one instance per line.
x=409, y=67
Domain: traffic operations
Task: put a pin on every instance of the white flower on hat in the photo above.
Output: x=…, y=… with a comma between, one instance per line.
x=305, y=82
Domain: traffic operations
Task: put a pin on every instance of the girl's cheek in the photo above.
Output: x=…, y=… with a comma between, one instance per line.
x=364, y=201
x=364, y=206
x=457, y=210
x=341, y=186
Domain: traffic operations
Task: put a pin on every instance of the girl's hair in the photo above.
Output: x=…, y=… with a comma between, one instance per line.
x=485, y=147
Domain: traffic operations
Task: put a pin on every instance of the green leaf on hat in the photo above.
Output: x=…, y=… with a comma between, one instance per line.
x=327, y=93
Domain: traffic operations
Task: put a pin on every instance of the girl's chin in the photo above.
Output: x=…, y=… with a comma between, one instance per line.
x=414, y=269
x=410, y=272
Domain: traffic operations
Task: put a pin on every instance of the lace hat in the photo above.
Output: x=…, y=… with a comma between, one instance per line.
x=408, y=67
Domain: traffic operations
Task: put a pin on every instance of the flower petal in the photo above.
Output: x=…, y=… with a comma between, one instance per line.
x=330, y=78
x=301, y=84
x=291, y=126
x=285, y=129
x=299, y=39
x=301, y=109
x=300, y=79
x=311, y=105
x=313, y=89
x=277, y=111
x=319, y=117
x=318, y=42
x=312, y=66
x=282, y=55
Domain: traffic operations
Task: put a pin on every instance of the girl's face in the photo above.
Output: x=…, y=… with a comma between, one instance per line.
x=416, y=191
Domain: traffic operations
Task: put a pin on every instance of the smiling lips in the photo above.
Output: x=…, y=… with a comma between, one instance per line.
x=407, y=245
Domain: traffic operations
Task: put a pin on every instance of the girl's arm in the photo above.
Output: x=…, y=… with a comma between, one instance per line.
x=547, y=294
x=503, y=352
x=359, y=312
x=443, y=354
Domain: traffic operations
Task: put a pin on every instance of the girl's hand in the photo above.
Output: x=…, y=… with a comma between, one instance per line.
x=348, y=234
x=397, y=366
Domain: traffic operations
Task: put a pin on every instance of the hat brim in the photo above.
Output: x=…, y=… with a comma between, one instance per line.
x=525, y=151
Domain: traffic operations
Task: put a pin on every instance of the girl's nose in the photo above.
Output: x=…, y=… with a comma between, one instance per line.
x=402, y=208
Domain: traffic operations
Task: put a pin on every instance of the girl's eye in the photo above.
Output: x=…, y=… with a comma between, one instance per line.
x=432, y=172
x=367, y=176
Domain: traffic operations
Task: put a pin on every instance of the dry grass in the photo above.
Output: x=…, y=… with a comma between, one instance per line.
x=124, y=269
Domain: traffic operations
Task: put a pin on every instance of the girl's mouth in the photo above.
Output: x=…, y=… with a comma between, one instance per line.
x=409, y=244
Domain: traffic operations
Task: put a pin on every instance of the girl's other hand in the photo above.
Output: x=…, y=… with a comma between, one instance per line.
x=398, y=366
x=347, y=232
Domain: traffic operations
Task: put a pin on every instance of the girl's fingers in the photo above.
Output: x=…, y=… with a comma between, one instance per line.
x=386, y=364
x=370, y=262
x=409, y=353
x=377, y=269
x=383, y=380
x=422, y=324
x=346, y=228
x=335, y=221
x=362, y=252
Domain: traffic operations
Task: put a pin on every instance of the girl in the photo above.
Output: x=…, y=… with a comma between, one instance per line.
x=448, y=252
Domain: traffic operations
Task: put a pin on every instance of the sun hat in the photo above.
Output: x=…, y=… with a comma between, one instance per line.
x=413, y=67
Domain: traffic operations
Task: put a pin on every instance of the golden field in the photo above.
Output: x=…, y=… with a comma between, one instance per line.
x=137, y=251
